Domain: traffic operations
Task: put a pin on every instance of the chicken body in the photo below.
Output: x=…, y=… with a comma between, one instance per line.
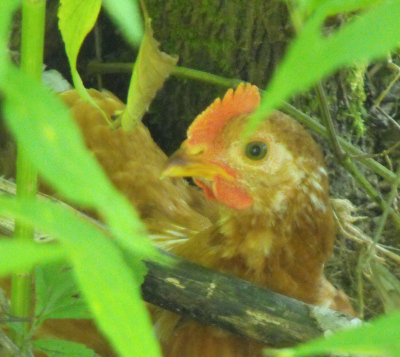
x=275, y=226
x=267, y=217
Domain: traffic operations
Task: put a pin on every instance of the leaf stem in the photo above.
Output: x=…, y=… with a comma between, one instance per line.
x=96, y=67
x=32, y=44
x=340, y=143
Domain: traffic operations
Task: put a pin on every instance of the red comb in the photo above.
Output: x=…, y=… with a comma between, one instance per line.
x=205, y=128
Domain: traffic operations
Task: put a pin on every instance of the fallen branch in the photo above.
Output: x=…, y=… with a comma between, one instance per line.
x=213, y=298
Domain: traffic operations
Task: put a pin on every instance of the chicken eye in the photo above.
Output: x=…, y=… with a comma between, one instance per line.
x=256, y=150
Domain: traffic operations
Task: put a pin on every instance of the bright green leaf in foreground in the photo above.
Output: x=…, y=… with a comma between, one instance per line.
x=61, y=348
x=377, y=338
x=126, y=14
x=53, y=143
x=370, y=34
x=105, y=280
x=21, y=256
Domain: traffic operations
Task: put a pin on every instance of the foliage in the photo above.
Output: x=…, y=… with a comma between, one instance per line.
x=310, y=57
x=313, y=55
x=53, y=145
x=380, y=338
x=62, y=348
x=151, y=69
x=102, y=266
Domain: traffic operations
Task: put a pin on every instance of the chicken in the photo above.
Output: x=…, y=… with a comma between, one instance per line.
x=275, y=225
x=133, y=162
x=265, y=214
x=268, y=217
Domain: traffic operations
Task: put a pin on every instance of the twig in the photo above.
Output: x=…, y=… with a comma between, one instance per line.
x=349, y=148
x=9, y=346
x=327, y=119
x=360, y=285
x=346, y=161
x=382, y=222
x=97, y=46
x=182, y=72
x=189, y=73
x=386, y=91
x=355, y=235
x=365, y=259
x=382, y=154
x=387, y=116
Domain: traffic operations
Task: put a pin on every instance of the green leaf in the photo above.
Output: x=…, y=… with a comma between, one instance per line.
x=76, y=20
x=152, y=67
x=377, y=338
x=21, y=256
x=53, y=144
x=62, y=348
x=7, y=10
x=313, y=56
x=126, y=15
x=106, y=281
x=57, y=294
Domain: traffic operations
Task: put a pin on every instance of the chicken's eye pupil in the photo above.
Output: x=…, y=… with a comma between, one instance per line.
x=256, y=150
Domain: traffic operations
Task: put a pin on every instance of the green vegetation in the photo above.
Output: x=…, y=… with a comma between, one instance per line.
x=50, y=144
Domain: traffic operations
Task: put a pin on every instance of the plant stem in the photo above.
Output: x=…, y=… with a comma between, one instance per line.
x=386, y=212
x=345, y=161
x=338, y=143
x=365, y=259
x=327, y=119
x=349, y=148
x=96, y=67
x=32, y=44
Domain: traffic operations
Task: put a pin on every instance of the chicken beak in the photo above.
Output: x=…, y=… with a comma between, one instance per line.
x=190, y=163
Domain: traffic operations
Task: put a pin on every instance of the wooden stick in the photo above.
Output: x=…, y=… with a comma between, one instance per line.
x=222, y=300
